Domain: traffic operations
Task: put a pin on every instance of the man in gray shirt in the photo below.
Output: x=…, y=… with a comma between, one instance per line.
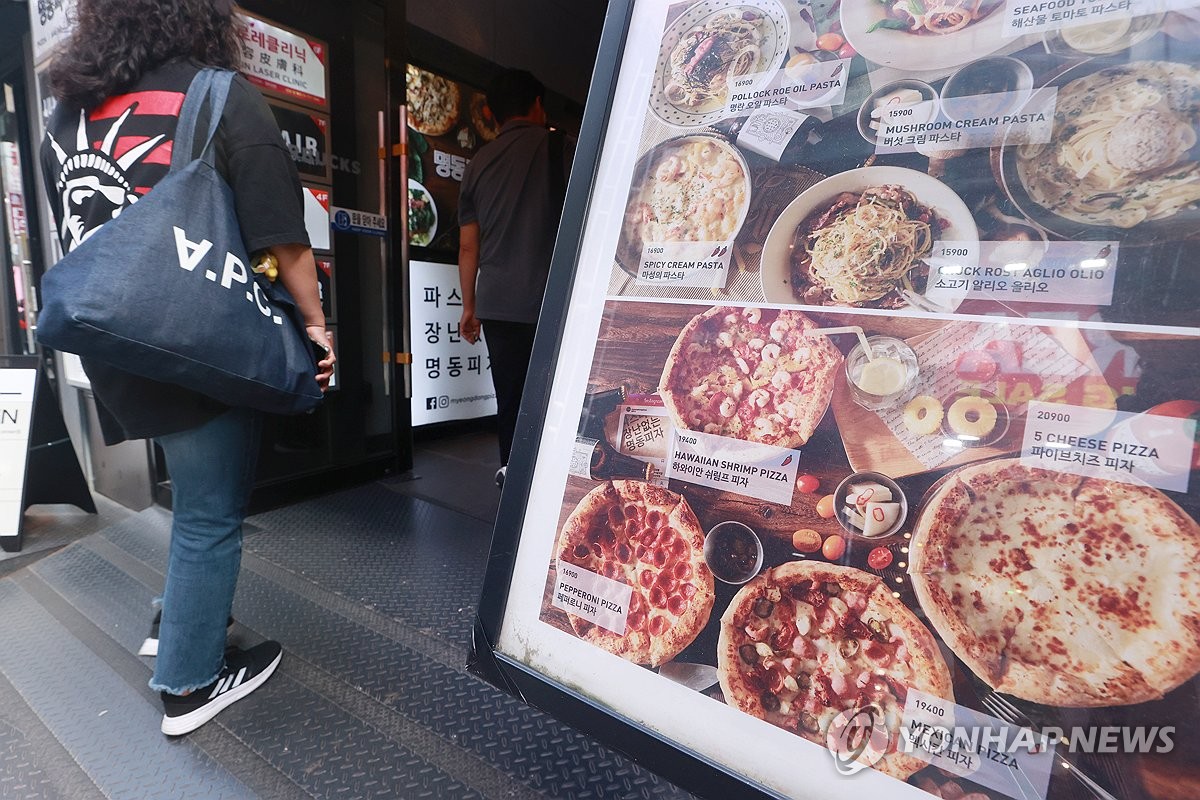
x=509, y=207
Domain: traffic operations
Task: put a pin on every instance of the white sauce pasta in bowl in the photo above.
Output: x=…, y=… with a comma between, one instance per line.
x=1123, y=152
x=689, y=189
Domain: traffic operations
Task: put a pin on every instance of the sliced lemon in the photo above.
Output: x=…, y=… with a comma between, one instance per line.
x=1099, y=37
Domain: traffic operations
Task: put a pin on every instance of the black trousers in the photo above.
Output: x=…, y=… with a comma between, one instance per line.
x=510, y=346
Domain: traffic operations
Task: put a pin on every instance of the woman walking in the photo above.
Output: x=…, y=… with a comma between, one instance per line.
x=121, y=82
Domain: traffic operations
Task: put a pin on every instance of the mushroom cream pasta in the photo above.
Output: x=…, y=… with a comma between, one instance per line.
x=1120, y=153
x=692, y=190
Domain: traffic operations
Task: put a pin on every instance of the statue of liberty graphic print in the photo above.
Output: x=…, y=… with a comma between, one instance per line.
x=118, y=152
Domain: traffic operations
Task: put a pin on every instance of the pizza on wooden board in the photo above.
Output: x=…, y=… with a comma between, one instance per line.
x=1063, y=590
x=648, y=538
x=750, y=374
x=806, y=641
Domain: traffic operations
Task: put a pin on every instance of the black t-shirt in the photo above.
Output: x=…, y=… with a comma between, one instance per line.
x=125, y=144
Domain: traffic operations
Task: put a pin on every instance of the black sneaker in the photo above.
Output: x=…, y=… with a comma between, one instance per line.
x=150, y=646
x=245, y=671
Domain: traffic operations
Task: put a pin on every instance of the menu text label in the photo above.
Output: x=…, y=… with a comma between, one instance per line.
x=746, y=468
x=600, y=600
x=1111, y=445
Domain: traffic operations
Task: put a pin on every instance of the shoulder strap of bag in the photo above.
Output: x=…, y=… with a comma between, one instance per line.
x=211, y=85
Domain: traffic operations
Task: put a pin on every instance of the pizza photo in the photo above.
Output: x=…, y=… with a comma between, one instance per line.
x=751, y=374
x=433, y=102
x=806, y=641
x=486, y=124
x=1062, y=590
x=649, y=538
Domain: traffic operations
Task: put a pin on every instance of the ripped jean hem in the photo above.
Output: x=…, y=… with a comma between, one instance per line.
x=158, y=687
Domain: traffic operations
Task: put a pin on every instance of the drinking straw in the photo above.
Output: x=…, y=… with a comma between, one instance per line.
x=862, y=337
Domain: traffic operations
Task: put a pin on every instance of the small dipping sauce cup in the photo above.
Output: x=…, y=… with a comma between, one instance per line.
x=886, y=377
x=733, y=552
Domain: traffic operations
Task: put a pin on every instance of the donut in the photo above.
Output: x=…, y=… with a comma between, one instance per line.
x=972, y=416
x=923, y=415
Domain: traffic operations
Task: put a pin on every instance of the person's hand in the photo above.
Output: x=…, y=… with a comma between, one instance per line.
x=325, y=366
x=468, y=327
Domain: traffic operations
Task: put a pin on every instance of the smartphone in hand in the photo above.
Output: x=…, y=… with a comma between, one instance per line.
x=320, y=352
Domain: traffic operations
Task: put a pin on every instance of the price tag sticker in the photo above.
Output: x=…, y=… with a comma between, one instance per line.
x=747, y=468
x=600, y=600
x=1063, y=273
x=1033, y=16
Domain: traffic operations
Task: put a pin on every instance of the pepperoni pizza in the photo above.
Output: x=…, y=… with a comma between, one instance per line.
x=648, y=538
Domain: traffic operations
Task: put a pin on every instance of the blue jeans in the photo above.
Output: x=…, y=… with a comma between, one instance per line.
x=212, y=473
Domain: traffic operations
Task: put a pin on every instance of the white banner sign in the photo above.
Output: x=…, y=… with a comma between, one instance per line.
x=16, y=412
x=49, y=25
x=451, y=378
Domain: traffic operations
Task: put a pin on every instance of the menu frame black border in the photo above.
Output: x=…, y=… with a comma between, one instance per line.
x=682, y=766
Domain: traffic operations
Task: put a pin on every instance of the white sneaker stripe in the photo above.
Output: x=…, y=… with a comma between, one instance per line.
x=238, y=680
x=221, y=687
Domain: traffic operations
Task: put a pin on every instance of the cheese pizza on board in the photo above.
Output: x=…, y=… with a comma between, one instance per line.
x=1063, y=590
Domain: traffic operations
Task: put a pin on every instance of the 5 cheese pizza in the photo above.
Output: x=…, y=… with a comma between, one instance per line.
x=1063, y=590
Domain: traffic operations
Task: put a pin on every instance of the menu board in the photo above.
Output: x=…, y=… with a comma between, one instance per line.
x=448, y=121
x=868, y=461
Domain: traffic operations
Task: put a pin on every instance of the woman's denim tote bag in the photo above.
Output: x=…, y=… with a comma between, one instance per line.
x=166, y=290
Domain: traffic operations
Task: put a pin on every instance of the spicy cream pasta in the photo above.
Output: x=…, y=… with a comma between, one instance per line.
x=692, y=190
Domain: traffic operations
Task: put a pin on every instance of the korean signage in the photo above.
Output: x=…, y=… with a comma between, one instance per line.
x=451, y=378
x=49, y=25
x=283, y=62
x=879, y=362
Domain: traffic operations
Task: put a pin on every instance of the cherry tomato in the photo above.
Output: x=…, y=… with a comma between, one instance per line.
x=830, y=41
x=825, y=507
x=879, y=558
x=806, y=540
x=834, y=547
x=847, y=51
x=807, y=484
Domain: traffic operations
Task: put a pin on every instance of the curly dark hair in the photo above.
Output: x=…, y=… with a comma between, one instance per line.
x=115, y=42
